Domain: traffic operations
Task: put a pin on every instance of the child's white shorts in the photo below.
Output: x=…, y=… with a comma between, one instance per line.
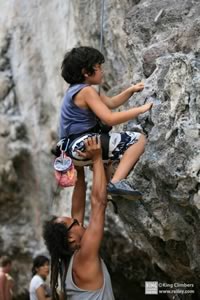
x=113, y=146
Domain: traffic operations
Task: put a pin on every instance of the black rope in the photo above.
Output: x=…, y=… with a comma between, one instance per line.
x=102, y=25
x=101, y=31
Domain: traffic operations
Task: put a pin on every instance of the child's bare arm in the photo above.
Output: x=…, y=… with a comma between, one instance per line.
x=116, y=101
x=94, y=102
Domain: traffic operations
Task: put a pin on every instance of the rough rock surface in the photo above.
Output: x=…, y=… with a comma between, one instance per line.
x=155, y=41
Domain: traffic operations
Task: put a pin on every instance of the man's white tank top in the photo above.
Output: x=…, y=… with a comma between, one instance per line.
x=75, y=293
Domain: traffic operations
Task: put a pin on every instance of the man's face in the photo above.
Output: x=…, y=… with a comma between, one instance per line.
x=69, y=222
x=75, y=230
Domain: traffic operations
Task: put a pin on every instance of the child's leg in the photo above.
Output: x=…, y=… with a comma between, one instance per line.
x=79, y=195
x=129, y=159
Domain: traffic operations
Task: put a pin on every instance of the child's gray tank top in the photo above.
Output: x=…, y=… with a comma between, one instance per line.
x=75, y=293
x=75, y=120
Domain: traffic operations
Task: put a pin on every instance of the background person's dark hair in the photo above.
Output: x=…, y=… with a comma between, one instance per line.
x=5, y=260
x=78, y=59
x=38, y=262
x=55, y=236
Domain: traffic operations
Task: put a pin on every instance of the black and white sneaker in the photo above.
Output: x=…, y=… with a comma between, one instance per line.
x=123, y=188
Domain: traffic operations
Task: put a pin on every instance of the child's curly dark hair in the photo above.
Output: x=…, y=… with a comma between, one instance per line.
x=78, y=59
x=55, y=236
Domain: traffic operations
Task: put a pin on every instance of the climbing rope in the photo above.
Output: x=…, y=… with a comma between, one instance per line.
x=115, y=208
x=102, y=25
x=101, y=31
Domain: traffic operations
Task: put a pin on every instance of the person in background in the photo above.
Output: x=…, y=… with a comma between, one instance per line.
x=38, y=289
x=6, y=281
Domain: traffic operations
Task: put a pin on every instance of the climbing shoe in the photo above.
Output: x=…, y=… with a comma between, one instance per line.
x=124, y=189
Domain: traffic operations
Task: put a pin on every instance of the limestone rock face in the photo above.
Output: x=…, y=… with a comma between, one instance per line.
x=30, y=94
x=166, y=221
x=157, y=238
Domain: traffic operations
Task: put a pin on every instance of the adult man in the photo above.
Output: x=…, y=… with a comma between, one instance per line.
x=6, y=281
x=74, y=250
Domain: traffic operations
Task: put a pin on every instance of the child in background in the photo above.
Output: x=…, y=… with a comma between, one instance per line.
x=85, y=112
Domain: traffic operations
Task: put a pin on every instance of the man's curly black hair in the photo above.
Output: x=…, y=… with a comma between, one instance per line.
x=78, y=59
x=55, y=236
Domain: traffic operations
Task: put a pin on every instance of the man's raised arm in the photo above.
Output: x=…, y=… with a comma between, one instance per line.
x=94, y=233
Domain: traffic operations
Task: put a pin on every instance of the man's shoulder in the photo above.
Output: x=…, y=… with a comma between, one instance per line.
x=83, y=261
x=93, y=277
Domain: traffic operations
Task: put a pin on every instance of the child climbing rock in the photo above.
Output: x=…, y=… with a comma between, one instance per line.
x=84, y=112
